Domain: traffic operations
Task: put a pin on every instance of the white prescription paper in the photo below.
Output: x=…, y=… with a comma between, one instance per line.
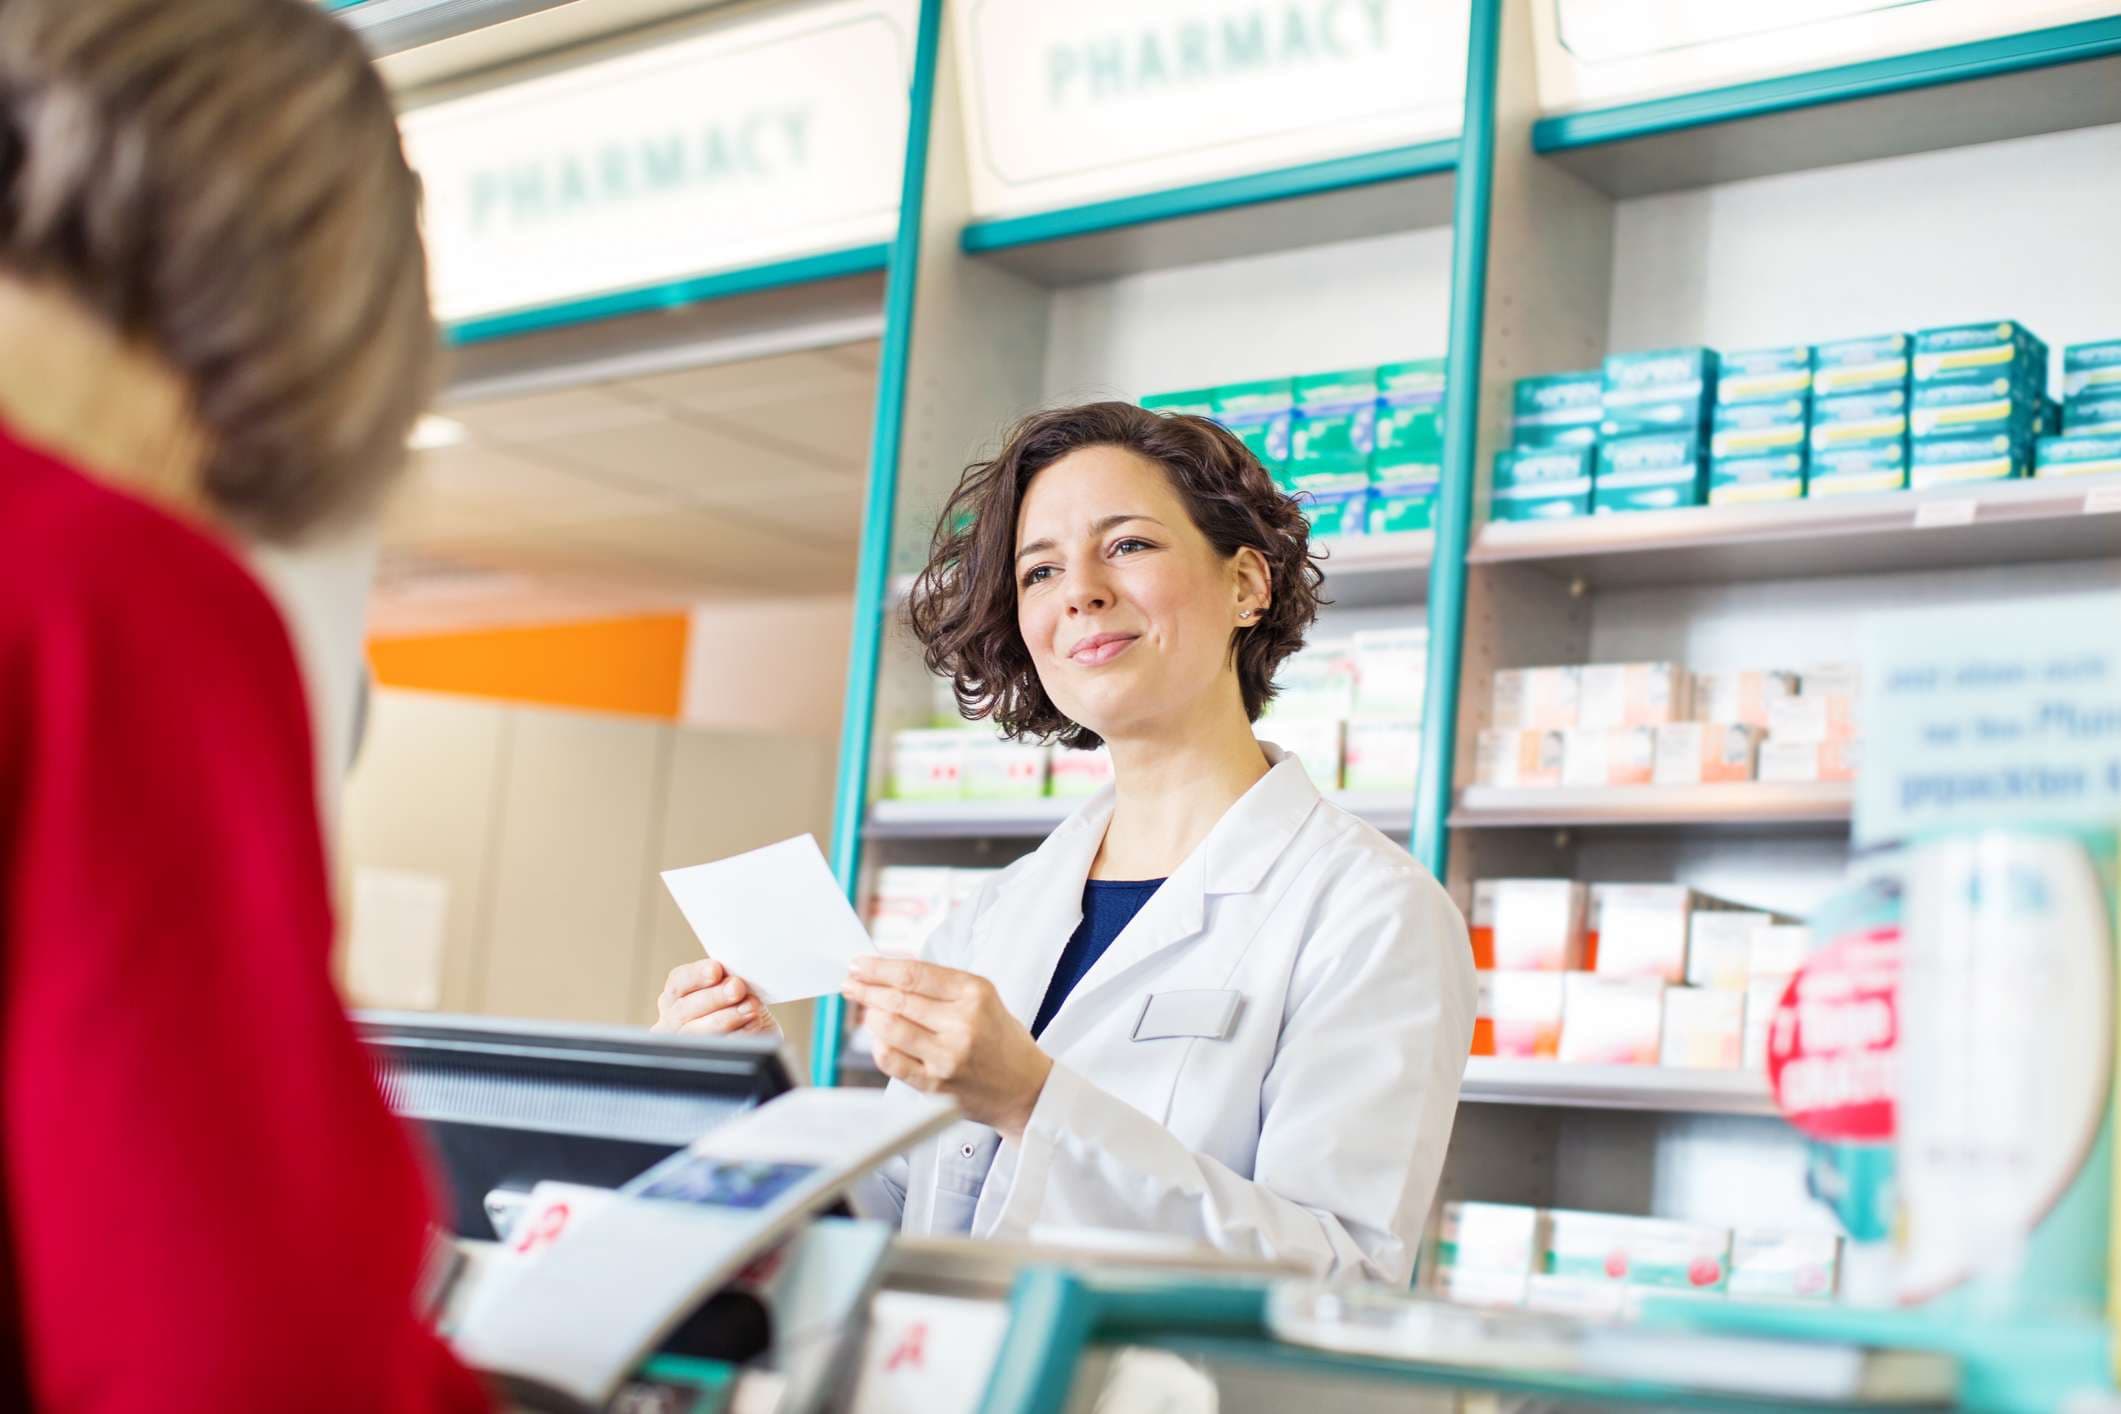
x=775, y=917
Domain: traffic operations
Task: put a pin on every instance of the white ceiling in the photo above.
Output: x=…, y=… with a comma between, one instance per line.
x=721, y=481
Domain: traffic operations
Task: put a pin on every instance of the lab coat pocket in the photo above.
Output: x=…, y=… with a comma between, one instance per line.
x=1200, y=1014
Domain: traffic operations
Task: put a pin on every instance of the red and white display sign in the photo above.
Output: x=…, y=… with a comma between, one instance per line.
x=1834, y=1041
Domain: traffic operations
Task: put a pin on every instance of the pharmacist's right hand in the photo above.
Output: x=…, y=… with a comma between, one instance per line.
x=705, y=999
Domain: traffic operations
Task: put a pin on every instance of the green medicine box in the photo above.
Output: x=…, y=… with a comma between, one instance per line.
x=1778, y=476
x=1879, y=465
x=1765, y=375
x=2089, y=366
x=1654, y=472
x=1860, y=365
x=1260, y=413
x=1558, y=409
x=2077, y=455
x=1336, y=514
x=1757, y=428
x=1410, y=417
x=1336, y=416
x=1194, y=402
x=1400, y=503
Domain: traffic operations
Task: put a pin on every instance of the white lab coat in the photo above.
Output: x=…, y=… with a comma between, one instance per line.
x=1315, y=1130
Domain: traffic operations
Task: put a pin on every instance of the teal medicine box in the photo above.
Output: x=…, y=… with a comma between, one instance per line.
x=1542, y=483
x=1410, y=417
x=1651, y=472
x=2000, y=347
x=1765, y=375
x=1335, y=416
x=1260, y=413
x=1531, y=466
x=2089, y=366
x=1939, y=461
x=1853, y=419
x=1776, y=476
x=1558, y=409
x=1879, y=465
x=1398, y=504
x=1755, y=428
x=1860, y=365
x=2077, y=455
x=2097, y=410
x=1974, y=407
x=1659, y=390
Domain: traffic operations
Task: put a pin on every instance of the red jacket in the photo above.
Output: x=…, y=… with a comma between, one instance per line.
x=204, y=1204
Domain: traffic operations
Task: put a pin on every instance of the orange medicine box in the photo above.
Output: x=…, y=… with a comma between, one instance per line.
x=1813, y=716
x=1720, y=947
x=1507, y=756
x=1539, y=924
x=1741, y=695
x=1480, y=924
x=1612, y=1020
x=1528, y=1011
x=1787, y=761
x=1632, y=695
x=1537, y=699
x=1704, y=1028
x=1484, y=1015
x=1618, y=756
x=1705, y=753
x=1642, y=930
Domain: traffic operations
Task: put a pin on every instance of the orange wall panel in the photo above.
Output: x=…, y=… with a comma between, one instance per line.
x=634, y=665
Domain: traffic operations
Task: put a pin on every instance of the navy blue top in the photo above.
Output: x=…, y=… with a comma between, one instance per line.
x=1109, y=905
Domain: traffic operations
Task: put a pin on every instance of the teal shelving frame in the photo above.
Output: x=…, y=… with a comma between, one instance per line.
x=1872, y=78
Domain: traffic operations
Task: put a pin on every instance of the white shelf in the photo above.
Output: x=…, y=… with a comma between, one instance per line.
x=1497, y=1081
x=1747, y=805
x=2005, y=522
x=1390, y=811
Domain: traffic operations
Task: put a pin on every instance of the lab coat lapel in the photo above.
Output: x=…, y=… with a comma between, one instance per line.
x=1034, y=916
x=1233, y=859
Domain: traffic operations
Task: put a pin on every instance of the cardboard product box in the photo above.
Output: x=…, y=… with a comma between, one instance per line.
x=1858, y=470
x=1979, y=351
x=929, y=764
x=1498, y=1242
x=999, y=769
x=1527, y=503
x=1860, y=365
x=1483, y=1012
x=1608, y=756
x=1740, y=694
x=1778, y=949
x=2051, y=416
x=1391, y=670
x=1720, y=947
x=1642, y=1252
x=1944, y=461
x=1510, y=756
x=1658, y=390
x=1814, y=715
x=907, y=904
x=1400, y=507
x=1337, y=515
x=1528, y=1011
x=1758, y=428
x=1078, y=773
x=1643, y=928
x=1261, y=413
x=2096, y=413
x=1193, y=402
x=1543, y=466
x=1538, y=699
x=1539, y=924
x=1706, y=753
x=1801, y=762
x=1480, y=924
x=1765, y=375
x=1763, y=994
x=1738, y=481
x=1784, y=1266
x=1858, y=419
x=1335, y=416
x=1609, y=1020
x=1558, y=409
x=1315, y=741
x=2087, y=367
x=1383, y=753
x=1704, y=1028
x=1974, y=408
x=2079, y=454
x=1651, y=472
x=1410, y=418
x=1632, y=694
x=1319, y=680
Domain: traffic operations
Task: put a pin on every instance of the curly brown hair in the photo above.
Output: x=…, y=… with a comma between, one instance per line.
x=963, y=605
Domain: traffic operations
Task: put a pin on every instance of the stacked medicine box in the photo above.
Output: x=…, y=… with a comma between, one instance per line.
x=1758, y=440
x=2090, y=440
x=1858, y=439
x=1362, y=447
x=1977, y=403
x=1546, y=472
x=1653, y=438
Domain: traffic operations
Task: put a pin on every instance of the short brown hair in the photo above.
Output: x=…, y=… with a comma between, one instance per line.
x=222, y=181
x=963, y=606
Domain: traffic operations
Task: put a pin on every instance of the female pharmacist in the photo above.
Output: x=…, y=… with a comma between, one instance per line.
x=1211, y=1005
x=213, y=330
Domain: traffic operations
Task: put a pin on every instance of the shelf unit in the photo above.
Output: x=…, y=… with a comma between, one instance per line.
x=1492, y=1081
x=1750, y=805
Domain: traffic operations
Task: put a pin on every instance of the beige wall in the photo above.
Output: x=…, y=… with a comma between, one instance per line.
x=805, y=641
x=529, y=840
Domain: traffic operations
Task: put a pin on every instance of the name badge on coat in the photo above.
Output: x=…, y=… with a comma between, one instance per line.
x=1210, y=1014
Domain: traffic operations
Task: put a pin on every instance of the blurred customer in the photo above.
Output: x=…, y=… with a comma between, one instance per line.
x=214, y=335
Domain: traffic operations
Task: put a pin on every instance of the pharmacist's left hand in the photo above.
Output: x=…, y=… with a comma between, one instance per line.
x=946, y=1032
